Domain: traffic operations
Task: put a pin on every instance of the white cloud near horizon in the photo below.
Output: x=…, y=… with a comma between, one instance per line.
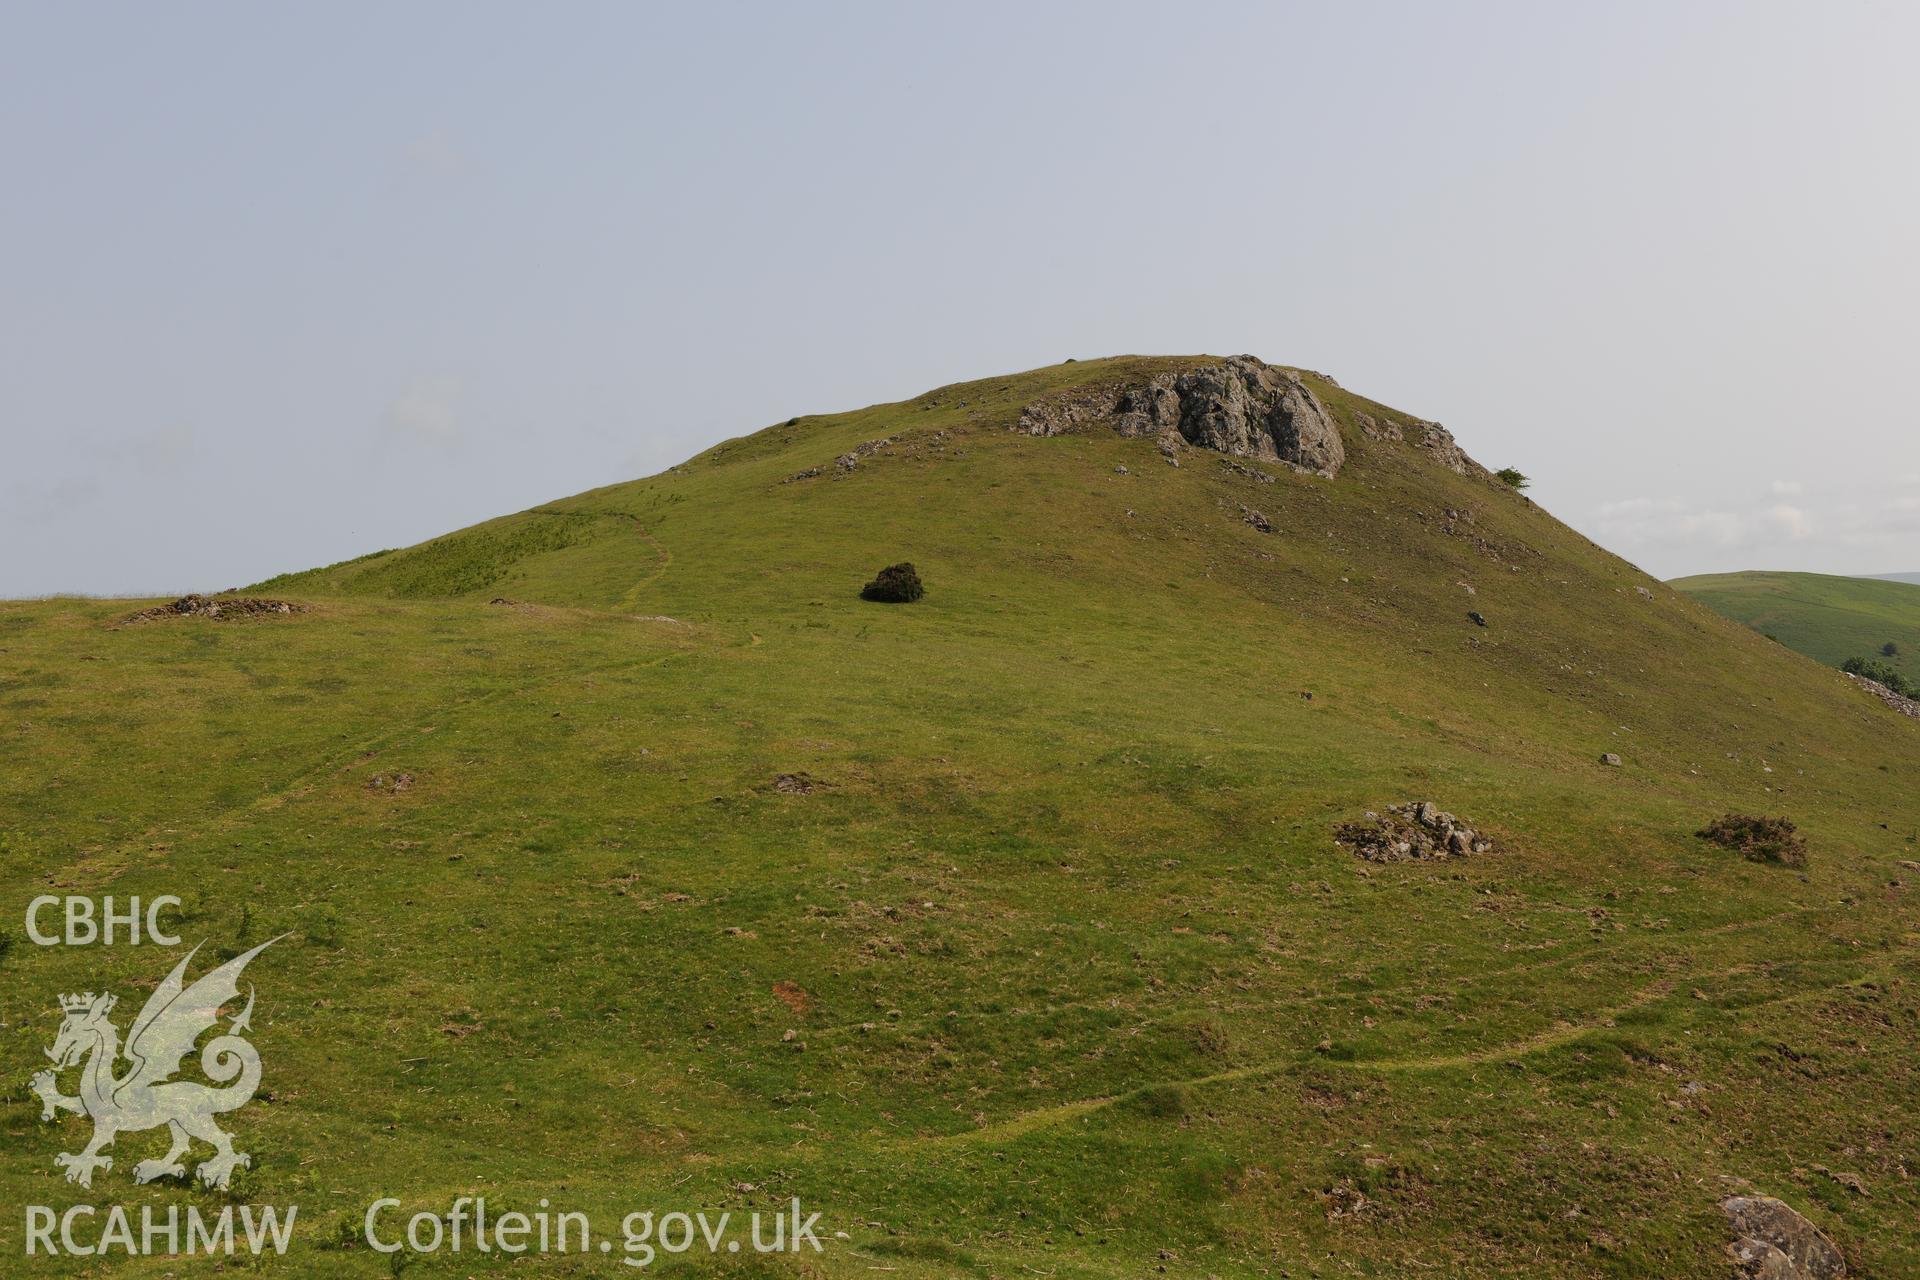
x=427, y=410
x=1762, y=533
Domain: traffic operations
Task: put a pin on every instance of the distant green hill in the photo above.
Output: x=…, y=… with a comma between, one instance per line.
x=1828, y=618
x=630, y=859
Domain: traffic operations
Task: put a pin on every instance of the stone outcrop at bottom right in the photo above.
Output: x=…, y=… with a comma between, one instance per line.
x=1771, y=1241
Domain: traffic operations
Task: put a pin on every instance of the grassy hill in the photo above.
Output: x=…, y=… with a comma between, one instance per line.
x=1006, y=929
x=1828, y=618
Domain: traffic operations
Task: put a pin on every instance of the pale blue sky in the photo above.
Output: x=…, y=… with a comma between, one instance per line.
x=283, y=284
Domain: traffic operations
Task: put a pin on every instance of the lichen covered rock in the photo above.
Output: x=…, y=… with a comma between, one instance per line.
x=1773, y=1242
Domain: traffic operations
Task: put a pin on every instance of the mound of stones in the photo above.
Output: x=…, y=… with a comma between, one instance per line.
x=1412, y=832
x=216, y=607
x=1242, y=407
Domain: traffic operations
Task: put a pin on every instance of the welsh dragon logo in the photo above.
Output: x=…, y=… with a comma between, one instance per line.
x=145, y=1095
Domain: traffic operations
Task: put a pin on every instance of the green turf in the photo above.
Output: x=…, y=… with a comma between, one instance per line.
x=1830, y=619
x=1080, y=984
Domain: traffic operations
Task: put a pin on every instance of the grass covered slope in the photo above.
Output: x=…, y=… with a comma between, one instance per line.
x=1056, y=967
x=1828, y=618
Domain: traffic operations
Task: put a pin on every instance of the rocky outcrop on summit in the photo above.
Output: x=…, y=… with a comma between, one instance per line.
x=1241, y=407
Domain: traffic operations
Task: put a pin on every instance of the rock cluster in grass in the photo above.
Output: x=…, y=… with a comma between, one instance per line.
x=1415, y=831
x=1438, y=441
x=1431, y=436
x=865, y=449
x=1773, y=1242
x=217, y=607
x=849, y=460
x=1899, y=702
x=1379, y=428
x=1251, y=473
x=1241, y=407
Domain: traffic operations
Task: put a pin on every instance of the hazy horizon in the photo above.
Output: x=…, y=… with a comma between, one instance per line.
x=286, y=286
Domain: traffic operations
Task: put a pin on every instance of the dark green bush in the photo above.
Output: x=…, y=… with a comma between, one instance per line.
x=895, y=584
x=1514, y=477
x=1880, y=673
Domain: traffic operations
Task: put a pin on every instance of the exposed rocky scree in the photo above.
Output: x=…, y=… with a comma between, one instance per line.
x=1411, y=832
x=216, y=607
x=1243, y=407
x=1904, y=705
x=1434, y=438
x=908, y=443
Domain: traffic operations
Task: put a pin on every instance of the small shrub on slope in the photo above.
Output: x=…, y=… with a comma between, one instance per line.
x=1879, y=673
x=895, y=584
x=1757, y=839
